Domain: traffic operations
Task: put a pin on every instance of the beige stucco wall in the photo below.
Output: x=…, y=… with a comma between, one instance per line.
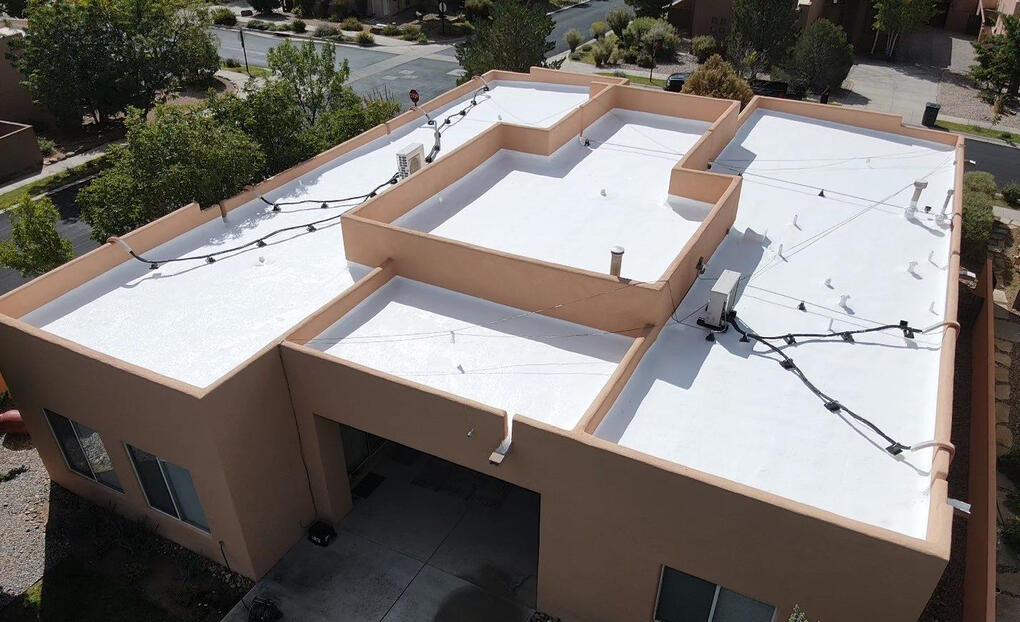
x=19, y=150
x=610, y=516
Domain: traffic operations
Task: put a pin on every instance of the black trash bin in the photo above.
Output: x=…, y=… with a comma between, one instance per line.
x=931, y=114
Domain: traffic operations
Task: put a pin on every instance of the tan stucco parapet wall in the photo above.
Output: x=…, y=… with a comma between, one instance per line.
x=621, y=305
x=322, y=375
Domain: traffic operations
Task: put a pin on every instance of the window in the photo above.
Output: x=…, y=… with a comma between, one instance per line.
x=83, y=450
x=168, y=488
x=686, y=598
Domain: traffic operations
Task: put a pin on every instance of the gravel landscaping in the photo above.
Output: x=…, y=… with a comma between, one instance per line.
x=24, y=509
x=960, y=98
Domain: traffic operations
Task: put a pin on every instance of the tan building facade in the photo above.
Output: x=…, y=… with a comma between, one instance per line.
x=235, y=469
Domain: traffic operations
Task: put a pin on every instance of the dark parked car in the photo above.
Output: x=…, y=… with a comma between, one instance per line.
x=769, y=88
x=675, y=81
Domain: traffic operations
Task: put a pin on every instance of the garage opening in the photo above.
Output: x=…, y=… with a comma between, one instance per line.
x=476, y=536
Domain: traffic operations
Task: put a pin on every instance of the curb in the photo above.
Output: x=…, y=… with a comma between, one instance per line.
x=569, y=6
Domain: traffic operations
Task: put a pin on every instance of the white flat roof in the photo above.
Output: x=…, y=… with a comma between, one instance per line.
x=521, y=362
x=728, y=408
x=194, y=321
x=572, y=207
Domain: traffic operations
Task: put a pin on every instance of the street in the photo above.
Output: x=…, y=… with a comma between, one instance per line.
x=431, y=69
x=1002, y=161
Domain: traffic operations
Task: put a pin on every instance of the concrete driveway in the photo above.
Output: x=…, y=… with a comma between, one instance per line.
x=426, y=541
x=893, y=88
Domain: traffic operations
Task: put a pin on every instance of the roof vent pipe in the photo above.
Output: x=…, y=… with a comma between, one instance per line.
x=919, y=186
x=615, y=260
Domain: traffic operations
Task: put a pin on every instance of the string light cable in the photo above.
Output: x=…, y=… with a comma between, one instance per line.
x=894, y=447
x=323, y=203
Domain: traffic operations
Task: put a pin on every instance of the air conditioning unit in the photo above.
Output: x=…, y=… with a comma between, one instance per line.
x=410, y=159
x=721, y=300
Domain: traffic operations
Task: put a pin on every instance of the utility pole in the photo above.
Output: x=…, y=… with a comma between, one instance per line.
x=240, y=31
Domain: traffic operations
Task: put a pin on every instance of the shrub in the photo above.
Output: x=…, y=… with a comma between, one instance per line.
x=256, y=24
x=716, y=78
x=351, y=23
x=576, y=56
x=411, y=32
x=618, y=18
x=329, y=32
x=979, y=182
x=35, y=246
x=573, y=38
x=603, y=51
x=1010, y=192
x=977, y=227
x=365, y=38
x=586, y=47
x=477, y=9
x=1009, y=465
x=645, y=59
x=46, y=146
x=703, y=47
x=822, y=57
x=298, y=25
x=1011, y=534
x=598, y=29
x=388, y=30
x=223, y=16
x=423, y=38
x=637, y=29
x=669, y=40
x=284, y=27
x=233, y=63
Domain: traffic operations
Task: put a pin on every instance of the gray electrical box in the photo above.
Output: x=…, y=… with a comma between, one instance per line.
x=722, y=298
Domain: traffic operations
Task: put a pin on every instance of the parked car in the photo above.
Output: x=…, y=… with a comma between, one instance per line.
x=770, y=88
x=676, y=81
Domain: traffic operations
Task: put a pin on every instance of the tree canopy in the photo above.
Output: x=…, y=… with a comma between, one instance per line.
x=513, y=37
x=98, y=57
x=895, y=17
x=998, y=61
x=763, y=31
x=822, y=57
x=650, y=8
x=35, y=246
x=181, y=155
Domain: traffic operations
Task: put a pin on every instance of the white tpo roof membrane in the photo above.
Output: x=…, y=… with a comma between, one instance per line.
x=572, y=207
x=521, y=362
x=194, y=321
x=728, y=408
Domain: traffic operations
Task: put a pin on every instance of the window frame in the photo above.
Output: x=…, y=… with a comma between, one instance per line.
x=715, y=597
x=170, y=491
x=91, y=475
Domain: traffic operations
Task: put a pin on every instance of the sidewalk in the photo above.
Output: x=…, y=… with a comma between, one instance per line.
x=57, y=167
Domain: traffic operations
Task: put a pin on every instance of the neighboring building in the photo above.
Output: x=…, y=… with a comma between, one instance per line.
x=15, y=101
x=715, y=17
x=990, y=14
x=471, y=312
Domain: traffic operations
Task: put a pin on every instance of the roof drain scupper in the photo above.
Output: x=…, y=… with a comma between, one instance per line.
x=497, y=456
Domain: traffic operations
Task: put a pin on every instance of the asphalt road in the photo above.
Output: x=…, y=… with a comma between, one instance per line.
x=1002, y=161
x=69, y=226
x=580, y=17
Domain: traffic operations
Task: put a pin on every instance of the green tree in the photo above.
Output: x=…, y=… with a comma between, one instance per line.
x=798, y=615
x=317, y=84
x=182, y=155
x=112, y=54
x=618, y=19
x=514, y=38
x=35, y=246
x=650, y=8
x=717, y=78
x=264, y=6
x=998, y=61
x=762, y=33
x=13, y=8
x=822, y=57
x=895, y=17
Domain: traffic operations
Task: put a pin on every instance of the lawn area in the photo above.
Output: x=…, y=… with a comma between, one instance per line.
x=977, y=130
x=53, y=182
x=253, y=71
x=635, y=79
x=72, y=591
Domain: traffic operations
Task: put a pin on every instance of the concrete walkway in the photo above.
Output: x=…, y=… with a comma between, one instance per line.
x=57, y=167
x=427, y=540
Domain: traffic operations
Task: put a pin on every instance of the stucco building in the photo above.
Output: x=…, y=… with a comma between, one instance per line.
x=573, y=291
